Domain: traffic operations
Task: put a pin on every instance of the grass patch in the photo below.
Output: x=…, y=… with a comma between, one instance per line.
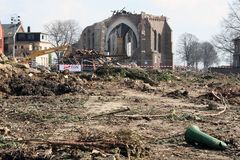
x=4, y=144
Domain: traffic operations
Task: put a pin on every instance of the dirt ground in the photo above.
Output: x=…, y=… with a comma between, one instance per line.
x=116, y=114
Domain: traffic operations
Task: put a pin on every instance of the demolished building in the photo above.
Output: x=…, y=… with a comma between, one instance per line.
x=142, y=38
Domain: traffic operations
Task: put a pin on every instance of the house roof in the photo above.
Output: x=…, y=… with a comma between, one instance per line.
x=32, y=33
x=10, y=29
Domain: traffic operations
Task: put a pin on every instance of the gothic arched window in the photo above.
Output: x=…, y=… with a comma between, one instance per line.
x=155, y=40
x=159, y=43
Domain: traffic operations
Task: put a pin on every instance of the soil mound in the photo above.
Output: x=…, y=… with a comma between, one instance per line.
x=24, y=85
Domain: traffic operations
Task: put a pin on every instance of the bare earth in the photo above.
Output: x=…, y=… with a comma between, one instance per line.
x=147, y=122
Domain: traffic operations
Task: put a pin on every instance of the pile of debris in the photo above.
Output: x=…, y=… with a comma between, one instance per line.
x=92, y=144
x=20, y=81
x=229, y=92
x=87, y=53
x=24, y=85
x=28, y=85
x=86, y=57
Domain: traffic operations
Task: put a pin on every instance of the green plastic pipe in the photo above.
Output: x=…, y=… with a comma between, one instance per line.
x=194, y=135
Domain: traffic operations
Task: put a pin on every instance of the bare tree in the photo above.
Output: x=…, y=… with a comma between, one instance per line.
x=208, y=54
x=62, y=33
x=188, y=49
x=233, y=20
x=196, y=56
x=230, y=30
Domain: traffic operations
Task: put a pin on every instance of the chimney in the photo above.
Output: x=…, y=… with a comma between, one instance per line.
x=28, y=29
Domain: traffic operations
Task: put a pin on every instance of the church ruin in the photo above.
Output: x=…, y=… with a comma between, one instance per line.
x=145, y=39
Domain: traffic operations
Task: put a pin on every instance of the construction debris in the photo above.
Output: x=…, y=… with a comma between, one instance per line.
x=87, y=58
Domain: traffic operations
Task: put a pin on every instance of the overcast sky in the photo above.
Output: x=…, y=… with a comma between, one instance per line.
x=199, y=17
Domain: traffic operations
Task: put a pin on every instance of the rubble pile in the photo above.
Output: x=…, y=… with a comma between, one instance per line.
x=81, y=53
x=24, y=82
x=23, y=85
x=85, y=55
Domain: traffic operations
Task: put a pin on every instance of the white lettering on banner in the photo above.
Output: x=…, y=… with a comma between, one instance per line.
x=70, y=67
